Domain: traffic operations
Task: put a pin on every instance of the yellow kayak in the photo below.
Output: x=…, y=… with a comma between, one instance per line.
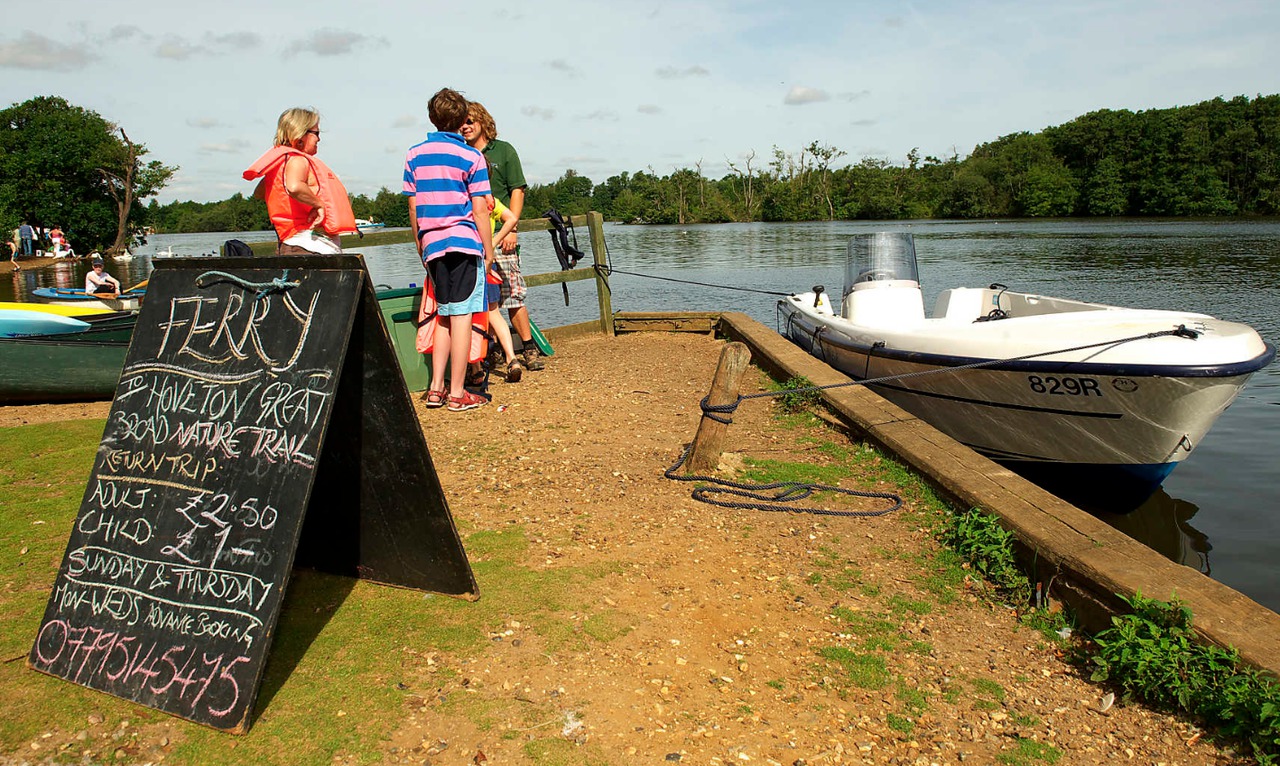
x=49, y=308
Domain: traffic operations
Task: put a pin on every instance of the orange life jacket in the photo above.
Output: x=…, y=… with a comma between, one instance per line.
x=429, y=317
x=290, y=216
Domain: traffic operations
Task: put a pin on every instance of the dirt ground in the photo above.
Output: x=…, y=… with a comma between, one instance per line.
x=716, y=660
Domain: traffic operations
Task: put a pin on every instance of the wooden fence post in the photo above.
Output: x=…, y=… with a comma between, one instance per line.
x=708, y=443
x=595, y=227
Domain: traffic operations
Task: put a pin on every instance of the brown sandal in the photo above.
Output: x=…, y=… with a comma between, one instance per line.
x=434, y=399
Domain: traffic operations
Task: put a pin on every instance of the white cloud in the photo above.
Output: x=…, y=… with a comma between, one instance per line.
x=35, y=51
x=562, y=66
x=328, y=42
x=179, y=50
x=672, y=73
x=405, y=121
x=125, y=32
x=203, y=122
x=602, y=115
x=236, y=40
x=800, y=94
x=649, y=109
x=539, y=112
x=230, y=146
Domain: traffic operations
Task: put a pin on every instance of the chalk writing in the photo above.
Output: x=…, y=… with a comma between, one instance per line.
x=172, y=577
x=142, y=666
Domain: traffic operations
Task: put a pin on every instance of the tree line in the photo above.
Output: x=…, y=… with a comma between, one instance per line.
x=65, y=166
x=1216, y=158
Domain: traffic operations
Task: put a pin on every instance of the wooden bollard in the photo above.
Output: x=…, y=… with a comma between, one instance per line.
x=708, y=443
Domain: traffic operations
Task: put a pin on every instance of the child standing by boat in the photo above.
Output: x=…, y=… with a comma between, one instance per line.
x=447, y=183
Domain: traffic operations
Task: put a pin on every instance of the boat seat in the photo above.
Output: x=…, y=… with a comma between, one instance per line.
x=960, y=304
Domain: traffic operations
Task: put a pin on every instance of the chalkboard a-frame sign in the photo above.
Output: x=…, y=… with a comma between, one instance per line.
x=260, y=416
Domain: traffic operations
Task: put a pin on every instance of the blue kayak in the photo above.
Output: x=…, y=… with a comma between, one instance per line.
x=21, y=323
x=126, y=301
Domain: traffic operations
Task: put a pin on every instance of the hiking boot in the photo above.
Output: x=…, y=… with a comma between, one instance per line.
x=533, y=358
x=515, y=370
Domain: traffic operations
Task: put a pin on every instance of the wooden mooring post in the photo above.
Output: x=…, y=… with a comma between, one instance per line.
x=708, y=443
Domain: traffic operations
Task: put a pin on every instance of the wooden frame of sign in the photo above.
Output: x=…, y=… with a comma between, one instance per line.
x=260, y=415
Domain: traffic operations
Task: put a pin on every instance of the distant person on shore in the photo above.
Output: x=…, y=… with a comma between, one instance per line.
x=507, y=178
x=447, y=184
x=99, y=282
x=307, y=203
x=13, y=255
x=58, y=243
x=27, y=235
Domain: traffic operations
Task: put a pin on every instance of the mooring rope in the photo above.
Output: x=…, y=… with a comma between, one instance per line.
x=262, y=289
x=608, y=270
x=1181, y=331
x=788, y=492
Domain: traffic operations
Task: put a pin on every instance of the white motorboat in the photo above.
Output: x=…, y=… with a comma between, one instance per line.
x=1049, y=386
x=364, y=224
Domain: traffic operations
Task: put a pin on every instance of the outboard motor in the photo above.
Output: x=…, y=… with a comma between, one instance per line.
x=881, y=283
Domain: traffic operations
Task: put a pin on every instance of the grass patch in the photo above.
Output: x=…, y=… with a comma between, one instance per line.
x=864, y=670
x=1028, y=751
x=988, y=695
x=343, y=650
x=554, y=751
x=900, y=723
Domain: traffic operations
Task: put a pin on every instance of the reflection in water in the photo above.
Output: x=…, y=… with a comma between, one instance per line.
x=1161, y=523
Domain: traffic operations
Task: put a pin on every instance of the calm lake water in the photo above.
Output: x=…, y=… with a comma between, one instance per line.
x=1217, y=512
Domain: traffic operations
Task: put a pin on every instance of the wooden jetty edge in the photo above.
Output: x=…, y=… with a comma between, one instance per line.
x=1086, y=563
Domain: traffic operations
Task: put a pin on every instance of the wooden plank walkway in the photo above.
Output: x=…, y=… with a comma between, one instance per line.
x=1082, y=560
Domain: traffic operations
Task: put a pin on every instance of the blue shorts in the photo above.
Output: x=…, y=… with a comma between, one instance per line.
x=458, y=279
x=492, y=293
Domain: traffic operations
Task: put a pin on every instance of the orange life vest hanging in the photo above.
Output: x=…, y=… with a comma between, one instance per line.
x=429, y=317
x=290, y=216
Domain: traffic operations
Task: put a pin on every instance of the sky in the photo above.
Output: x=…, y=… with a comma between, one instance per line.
x=605, y=87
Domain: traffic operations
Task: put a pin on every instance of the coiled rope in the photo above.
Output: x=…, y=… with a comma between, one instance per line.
x=787, y=492
x=261, y=289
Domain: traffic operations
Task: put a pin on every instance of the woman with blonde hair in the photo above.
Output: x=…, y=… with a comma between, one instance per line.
x=307, y=203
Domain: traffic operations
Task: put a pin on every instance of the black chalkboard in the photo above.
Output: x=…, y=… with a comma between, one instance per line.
x=260, y=416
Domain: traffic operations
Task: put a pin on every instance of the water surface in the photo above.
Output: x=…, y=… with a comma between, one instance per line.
x=1218, y=510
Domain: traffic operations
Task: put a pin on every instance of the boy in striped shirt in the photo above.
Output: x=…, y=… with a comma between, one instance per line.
x=447, y=183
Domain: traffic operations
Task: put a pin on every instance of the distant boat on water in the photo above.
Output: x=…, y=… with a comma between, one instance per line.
x=364, y=224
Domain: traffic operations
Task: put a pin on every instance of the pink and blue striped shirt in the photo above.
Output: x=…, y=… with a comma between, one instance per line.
x=442, y=175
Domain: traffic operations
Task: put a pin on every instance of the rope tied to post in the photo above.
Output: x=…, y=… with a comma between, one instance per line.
x=279, y=284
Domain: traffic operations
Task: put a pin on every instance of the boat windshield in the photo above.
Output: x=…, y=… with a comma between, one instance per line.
x=880, y=257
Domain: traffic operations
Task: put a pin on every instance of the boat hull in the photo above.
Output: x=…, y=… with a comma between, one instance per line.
x=64, y=297
x=58, y=369
x=21, y=323
x=1073, y=418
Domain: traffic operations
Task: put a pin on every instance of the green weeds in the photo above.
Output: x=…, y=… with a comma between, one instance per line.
x=1152, y=655
x=797, y=401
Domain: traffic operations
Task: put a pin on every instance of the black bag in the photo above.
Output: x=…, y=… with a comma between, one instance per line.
x=234, y=248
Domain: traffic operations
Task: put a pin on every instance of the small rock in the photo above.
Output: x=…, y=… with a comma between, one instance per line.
x=673, y=757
